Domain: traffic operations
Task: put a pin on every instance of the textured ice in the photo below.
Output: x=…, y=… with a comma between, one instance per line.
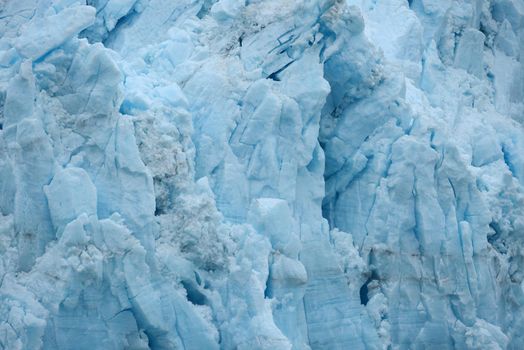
x=264, y=174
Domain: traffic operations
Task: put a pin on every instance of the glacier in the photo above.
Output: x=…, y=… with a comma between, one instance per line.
x=261, y=174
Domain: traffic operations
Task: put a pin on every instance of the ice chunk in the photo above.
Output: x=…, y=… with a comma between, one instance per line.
x=19, y=100
x=469, y=52
x=42, y=35
x=271, y=217
x=70, y=194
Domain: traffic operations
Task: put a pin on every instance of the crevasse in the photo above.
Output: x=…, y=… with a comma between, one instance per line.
x=302, y=174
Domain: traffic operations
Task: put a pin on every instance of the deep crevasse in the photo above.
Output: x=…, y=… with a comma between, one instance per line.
x=261, y=174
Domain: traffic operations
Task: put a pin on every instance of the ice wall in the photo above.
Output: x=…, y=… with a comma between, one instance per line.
x=312, y=174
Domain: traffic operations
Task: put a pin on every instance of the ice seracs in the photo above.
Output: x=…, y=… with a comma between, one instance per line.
x=309, y=174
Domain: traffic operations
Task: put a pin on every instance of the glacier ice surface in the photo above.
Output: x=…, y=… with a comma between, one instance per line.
x=303, y=174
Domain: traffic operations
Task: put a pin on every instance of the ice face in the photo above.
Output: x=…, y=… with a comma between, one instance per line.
x=261, y=174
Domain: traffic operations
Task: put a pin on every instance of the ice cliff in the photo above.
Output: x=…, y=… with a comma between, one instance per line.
x=261, y=174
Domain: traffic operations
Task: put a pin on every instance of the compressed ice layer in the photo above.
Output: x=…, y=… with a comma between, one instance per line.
x=261, y=175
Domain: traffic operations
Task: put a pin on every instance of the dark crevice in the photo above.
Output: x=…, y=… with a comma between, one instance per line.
x=364, y=293
x=123, y=22
x=489, y=36
x=497, y=233
x=204, y=10
x=507, y=160
x=364, y=290
x=193, y=294
x=328, y=209
x=97, y=32
x=275, y=75
x=497, y=239
x=198, y=279
x=267, y=291
x=159, y=211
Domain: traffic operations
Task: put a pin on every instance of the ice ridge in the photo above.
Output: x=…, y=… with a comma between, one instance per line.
x=261, y=174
